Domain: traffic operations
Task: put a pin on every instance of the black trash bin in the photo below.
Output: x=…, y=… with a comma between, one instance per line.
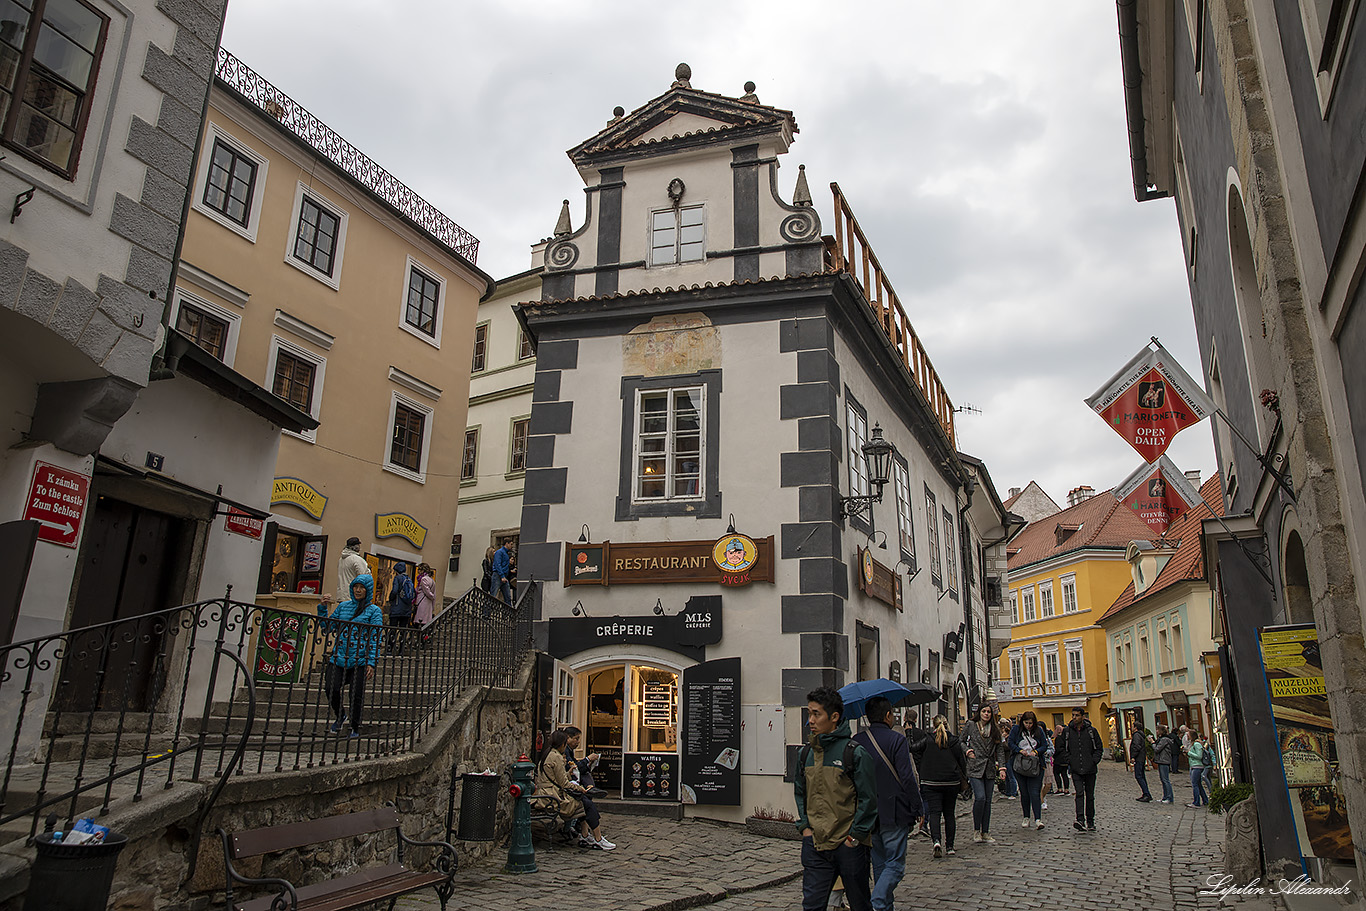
x=72, y=877
x=478, y=805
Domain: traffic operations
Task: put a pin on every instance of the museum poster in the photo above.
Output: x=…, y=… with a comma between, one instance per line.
x=711, y=733
x=1304, y=729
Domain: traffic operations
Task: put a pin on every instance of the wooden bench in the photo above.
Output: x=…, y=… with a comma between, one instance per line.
x=363, y=887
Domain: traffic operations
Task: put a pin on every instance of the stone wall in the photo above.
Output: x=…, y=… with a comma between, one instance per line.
x=487, y=728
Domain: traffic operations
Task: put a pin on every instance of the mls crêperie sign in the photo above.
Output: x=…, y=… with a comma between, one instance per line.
x=56, y=501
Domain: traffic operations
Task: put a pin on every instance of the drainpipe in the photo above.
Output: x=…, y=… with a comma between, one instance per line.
x=1133, y=99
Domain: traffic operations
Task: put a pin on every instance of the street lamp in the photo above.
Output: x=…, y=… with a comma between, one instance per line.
x=877, y=454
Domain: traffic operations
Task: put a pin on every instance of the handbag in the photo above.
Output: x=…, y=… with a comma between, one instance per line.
x=1027, y=766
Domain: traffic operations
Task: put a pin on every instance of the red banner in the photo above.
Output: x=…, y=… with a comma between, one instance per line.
x=239, y=523
x=1150, y=401
x=1159, y=494
x=56, y=501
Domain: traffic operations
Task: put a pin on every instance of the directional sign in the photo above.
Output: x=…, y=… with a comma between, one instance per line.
x=56, y=501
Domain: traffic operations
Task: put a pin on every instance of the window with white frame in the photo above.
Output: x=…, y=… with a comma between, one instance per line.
x=1076, y=668
x=677, y=235
x=211, y=327
x=564, y=695
x=524, y=347
x=1119, y=663
x=670, y=440
x=1178, y=646
x=423, y=304
x=469, y=457
x=318, y=238
x=1069, y=594
x=1016, y=668
x=1032, y=665
x=1129, y=666
x=1185, y=207
x=950, y=554
x=517, y=444
x=296, y=375
x=1327, y=24
x=1164, y=650
x=931, y=510
x=1027, y=594
x=1046, y=598
x=410, y=438
x=230, y=182
x=856, y=435
x=1014, y=606
x=1145, y=658
x=1052, y=673
x=481, y=348
x=905, y=523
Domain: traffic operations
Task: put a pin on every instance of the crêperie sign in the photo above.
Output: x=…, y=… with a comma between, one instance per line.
x=687, y=632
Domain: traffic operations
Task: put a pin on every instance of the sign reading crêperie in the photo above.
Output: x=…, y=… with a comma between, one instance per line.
x=734, y=559
x=56, y=501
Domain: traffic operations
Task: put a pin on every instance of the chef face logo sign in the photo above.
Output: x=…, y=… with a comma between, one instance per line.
x=735, y=553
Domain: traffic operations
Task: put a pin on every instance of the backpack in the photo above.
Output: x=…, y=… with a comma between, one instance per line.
x=403, y=601
x=848, y=758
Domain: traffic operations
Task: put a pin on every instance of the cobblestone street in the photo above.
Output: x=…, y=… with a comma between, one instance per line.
x=1145, y=856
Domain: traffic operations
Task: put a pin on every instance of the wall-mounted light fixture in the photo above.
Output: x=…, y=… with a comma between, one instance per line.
x=877, y=454
x=914, y=571
x=585, y=536
x=580, y=610
x=659, y=607
x=873, y=537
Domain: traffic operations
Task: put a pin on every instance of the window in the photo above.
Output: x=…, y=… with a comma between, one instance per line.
x=231, y=182
x=1128, y=659
x=524, y=349
x=856, y=434
x=1076, y=673
x=1178, y=647
x=203, y=328
x=1051, y=672
x=1028, y=595
x=406, y=449
x=421, y=310
x=1016, y=669
x=51, y=71
x=950, y=554
x=905, y=523
x=1145, y=658
x=1119, y=663
x=669, y=444
x=564, y=695
x=676, y=236
x=931, y=510
x=1164, y=650
x=1032, y=666
x=469, y=457
x=1014, y=606
x=481, y=347
x=1195, y=22
x=315, y=239
x=1325, y=32
x=1069, y=594
x=912, y=663
x=1185, y=207
x=296, y=375
x=517, y=449
x=1046, y=598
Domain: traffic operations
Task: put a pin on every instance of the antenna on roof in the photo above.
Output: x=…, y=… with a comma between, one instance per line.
x=967, y=408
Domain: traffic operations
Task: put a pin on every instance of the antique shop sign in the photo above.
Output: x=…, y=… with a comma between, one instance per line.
x=878, y=581
x=400, y=525
x=298, y=493
x=744, y=560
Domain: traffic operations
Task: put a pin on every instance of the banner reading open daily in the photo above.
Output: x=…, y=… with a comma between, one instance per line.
x=1150, y=401
x=1159, y=493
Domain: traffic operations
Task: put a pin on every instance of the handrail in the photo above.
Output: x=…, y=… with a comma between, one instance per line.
x=853, y=255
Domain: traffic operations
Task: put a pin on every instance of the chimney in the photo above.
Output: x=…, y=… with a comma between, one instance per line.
x=1079, y=494
x=1193, y=475
x=1014, y=492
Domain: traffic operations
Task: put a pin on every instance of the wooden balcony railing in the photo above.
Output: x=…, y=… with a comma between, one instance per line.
x=853, y=254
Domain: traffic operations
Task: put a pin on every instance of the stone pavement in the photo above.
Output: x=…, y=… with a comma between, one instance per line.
x=1144, y=856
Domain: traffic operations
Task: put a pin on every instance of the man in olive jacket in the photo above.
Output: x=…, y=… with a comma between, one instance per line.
x=836, y=807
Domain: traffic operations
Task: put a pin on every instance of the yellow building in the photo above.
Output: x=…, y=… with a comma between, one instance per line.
x=309, y=269
x=1065, y=571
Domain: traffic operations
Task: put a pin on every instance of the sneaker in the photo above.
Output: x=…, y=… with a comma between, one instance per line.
x=1146, y=798
x=938, y=849
x=605, y=844
x=987, y=839
x=1193, y=806
x=586, y=842
x=1043, y=805
x=977, y=837
x=1038, y=823
x=337, y=725
x=1090, y=827
x=355, y=735
x=1079, y=826
x=596, y=792
x=1024, y=823
x=951, y=853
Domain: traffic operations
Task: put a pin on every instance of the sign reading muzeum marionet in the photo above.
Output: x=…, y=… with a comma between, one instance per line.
x=733, y=559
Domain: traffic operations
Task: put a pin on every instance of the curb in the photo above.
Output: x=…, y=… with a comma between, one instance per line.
x=703, y=899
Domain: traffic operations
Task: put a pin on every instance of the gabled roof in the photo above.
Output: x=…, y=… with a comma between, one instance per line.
x=1102, y=521
x=1188, y=562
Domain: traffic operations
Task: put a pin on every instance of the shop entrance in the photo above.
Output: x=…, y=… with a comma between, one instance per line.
x=632, y=724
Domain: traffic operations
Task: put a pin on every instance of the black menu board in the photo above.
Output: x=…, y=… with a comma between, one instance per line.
x=711, y=733
x=650, y=776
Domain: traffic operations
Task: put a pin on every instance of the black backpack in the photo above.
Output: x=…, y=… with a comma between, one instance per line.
x=849, y=759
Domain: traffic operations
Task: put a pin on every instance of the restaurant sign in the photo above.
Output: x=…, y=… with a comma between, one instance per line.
x=298, y=493
x=734, y=559
x=878, y=581
x=400, y=525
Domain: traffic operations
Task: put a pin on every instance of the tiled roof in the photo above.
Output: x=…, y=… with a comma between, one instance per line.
x=1189, y=560
x=1103, y=522
x=1011, y=502
x=624, y=132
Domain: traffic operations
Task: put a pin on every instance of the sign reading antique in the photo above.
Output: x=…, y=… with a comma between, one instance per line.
x=56, y=501
x=400, y=525
x=697, y=624
x=878, y=581
x=711, y=733
x=1159, y=494
x=1150, y=401
x=298, y=493
x=735, y=559
x=240, y=523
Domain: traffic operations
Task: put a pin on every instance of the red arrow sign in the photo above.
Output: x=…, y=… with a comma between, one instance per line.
x=56, y=501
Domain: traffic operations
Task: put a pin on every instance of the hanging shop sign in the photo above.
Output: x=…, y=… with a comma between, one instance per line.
x=400, y=525
x=240, y=523
x=1159, y=494
x=734, y=559
x=56, y=501
x=878, y=581
x=711, y=733
x=300, y=493
x=697, y=625
x=1150, y=401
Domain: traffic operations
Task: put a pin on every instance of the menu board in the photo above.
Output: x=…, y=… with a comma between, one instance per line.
x=711, y=733
x=658, y=710
x=650, y=776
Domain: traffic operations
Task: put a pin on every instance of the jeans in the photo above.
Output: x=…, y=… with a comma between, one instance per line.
x=1164, y=772
x=1063, y=776
x=981, y=805
x=1030, y=788
x=1086, y=796
x=819, y=869
x=941, y=802
x=1142, y=779
x=889, y=863
x=1012, y=785
x=499, y=588
x=337, y=677
x=1198, y=795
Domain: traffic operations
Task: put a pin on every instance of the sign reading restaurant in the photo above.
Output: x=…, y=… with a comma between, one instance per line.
x=734, y=559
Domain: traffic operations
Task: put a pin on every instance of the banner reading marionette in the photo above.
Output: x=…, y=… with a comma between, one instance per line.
x=1150, y=401
x=1158, y=493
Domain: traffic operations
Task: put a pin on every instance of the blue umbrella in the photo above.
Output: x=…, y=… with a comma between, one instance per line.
x=857, y=694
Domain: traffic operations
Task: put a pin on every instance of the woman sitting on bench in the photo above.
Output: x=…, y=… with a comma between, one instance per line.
x=572, y=799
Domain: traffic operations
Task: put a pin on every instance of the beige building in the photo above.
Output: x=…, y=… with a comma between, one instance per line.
x=311, y=270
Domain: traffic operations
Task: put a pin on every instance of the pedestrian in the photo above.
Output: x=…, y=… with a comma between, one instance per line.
x=581, y=770
x=402, y=594
x=424, y=605
x=1211, y=763
x=354, y=651
x=898, y=798
x=1030, y=748
x=914, y=735
x=350, y=565
x=554, y=788
x=498, y=573
x=986, y=755
x=1163, y=748
x=1083, y=749
x=1138, y=755
x=836, y=795
x=1060, y=772
x=1196, y=755
x=943, y=767
x=1012, y=786
x=486, y=570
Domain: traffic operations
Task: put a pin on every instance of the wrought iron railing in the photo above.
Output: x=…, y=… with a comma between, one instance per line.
x=853, y=254
x=92, y=715
x=253, y=87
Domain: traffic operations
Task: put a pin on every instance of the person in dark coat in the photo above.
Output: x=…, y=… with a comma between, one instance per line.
x=1083, y=749
x=1138, y=755
x=943, y=766
x=898, y=798
x=1164, y=749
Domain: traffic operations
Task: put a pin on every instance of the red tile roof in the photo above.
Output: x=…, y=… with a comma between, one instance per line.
x=1189, y=560
x=1103, y=522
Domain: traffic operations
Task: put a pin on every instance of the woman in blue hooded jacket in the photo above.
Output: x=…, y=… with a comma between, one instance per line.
x=355, y=650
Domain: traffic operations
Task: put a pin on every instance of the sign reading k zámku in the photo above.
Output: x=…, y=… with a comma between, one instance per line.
x=1150, y=401
x=1159, y=494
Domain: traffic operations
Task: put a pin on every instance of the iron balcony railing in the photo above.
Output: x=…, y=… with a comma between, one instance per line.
x=92, y=715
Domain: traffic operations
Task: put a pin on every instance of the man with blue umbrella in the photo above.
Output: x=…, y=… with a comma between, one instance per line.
x=898, y=799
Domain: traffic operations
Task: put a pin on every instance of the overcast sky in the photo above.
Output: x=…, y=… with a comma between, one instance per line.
x=982, y=146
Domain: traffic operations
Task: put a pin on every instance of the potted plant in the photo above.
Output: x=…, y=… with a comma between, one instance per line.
x=773, y=823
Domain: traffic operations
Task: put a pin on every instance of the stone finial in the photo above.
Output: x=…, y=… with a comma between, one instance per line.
x=749, y=94
x=682, y=77
x=801, y=196
x=563, y=226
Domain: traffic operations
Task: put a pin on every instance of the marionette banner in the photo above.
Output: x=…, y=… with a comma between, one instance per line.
x=1159, y=494
x=1150, y=401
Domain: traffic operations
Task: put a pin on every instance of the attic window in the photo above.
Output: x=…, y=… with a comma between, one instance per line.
x=676, y=236
x=1065, y=531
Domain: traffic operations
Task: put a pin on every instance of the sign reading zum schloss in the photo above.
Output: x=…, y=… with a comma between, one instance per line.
x=731, y=560
x=300, y=493
x=400, y=525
